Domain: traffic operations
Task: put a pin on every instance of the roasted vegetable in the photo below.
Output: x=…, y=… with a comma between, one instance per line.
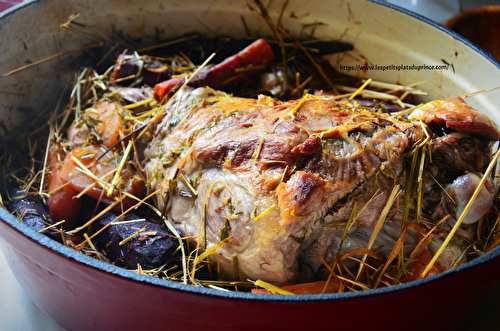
x=131, y=240
x=232, y=71
x=134, y=70
x=32, y=211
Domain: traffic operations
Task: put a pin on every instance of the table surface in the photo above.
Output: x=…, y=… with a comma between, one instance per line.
x=16, y=306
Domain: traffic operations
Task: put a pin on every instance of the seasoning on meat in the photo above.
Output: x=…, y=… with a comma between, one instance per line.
x=282, y=178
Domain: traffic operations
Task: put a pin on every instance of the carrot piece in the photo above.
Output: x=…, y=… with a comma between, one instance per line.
x=106, y=120
x=61, y=203
x=230, y=72
x=106, y=165
x=308, y=288
x=162, y=90
x=111, y=123
x=418, y=266
x=249, y=61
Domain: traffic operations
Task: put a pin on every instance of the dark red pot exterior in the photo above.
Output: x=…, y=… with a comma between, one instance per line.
x=82, y=297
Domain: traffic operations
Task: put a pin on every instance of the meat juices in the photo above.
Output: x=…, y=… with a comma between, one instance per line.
x=282, y=179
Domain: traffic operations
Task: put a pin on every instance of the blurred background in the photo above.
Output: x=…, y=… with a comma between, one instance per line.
x=441, y=10
x=478, y=21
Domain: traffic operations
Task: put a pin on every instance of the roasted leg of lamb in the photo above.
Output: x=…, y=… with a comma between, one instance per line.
x=295, y=184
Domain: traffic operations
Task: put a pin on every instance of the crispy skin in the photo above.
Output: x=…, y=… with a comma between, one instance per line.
x=282, y=179
x=271, y=173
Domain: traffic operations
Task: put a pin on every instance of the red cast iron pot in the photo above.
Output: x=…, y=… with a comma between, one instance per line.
x=81, y=293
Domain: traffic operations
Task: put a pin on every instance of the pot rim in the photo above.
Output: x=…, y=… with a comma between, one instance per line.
x=71, y=254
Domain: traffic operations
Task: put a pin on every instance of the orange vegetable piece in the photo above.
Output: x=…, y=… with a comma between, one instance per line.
x=105, y=119
x=62, y=203
x=104, y=169
x=111, y=122
x=225, y=74
x=418, y=266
